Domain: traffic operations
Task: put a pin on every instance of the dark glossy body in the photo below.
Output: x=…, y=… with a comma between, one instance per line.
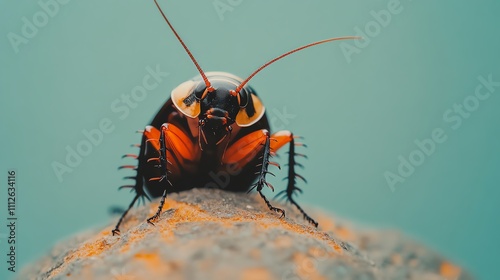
x=212, y=133
x=208, y=172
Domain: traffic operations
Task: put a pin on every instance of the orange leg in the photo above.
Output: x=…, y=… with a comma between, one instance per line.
x=261, y=180
x=170, y=143
x=179, y=147
x=138, y=186
x=173, y=144
x=240, y=153
x=292, y=188
x=162, y=160
x=245, y=149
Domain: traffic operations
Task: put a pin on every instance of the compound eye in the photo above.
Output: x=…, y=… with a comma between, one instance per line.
x=251, y=113
x=243, y=98
x=200, y=91
x=185, y=99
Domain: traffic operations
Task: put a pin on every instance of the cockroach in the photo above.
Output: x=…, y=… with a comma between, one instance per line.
x=213, y=123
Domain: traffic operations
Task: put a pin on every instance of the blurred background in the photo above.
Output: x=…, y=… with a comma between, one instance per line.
x=68, y=67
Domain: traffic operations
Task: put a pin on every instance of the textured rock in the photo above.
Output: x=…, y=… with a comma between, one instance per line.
x=211, y=234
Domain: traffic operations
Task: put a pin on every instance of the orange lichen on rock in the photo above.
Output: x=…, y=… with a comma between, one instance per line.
x=319, y=253
x=397, y=259
x=283, y=241
x=344, y=233
x=449, y=271
x=155, y=265
x=253, y=273
x=305, y=267
x=326, y=223
x=185, y=212
x=212, y=234
x=92, y=249
x=151, y=259
x=255, y=254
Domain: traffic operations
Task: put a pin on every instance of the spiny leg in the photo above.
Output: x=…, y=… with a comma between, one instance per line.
x=261, y=181
x=176, y=153
x=138, y=187
x=292, y=175
x=116, y=231
x=163, y=165
x=154, y=218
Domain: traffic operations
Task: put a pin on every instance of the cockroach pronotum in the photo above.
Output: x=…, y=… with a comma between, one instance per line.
x=212, y=123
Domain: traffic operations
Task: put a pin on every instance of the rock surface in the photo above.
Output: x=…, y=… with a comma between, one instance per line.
x=211, y=234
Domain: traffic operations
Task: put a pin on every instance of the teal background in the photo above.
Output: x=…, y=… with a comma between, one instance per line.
x=357, y=117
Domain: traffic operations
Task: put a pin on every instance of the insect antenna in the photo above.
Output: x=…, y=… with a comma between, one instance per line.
x=205, y=79
x=238, y=89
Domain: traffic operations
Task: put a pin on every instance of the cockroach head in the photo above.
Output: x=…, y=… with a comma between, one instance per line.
x=218, y=103
x=220, y=108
